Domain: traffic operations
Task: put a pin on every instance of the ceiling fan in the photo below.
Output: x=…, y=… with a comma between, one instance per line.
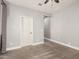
x=46, y=1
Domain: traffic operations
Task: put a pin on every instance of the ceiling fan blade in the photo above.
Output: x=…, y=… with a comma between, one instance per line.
x=57, y=1
x=46, y=1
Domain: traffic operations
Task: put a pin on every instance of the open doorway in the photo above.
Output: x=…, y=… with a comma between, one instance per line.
x=47, y=27
x=26, y=31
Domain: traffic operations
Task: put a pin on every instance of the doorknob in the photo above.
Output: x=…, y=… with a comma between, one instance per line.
x=30, y=32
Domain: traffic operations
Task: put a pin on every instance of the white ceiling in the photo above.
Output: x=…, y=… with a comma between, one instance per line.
x=33, y=4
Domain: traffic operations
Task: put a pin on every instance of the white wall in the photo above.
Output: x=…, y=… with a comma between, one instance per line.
x=65, y=25
x=14, y=13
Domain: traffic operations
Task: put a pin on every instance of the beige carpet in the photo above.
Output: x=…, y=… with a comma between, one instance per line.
x=48, y=50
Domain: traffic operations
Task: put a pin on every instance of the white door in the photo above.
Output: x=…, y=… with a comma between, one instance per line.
x=26, y=31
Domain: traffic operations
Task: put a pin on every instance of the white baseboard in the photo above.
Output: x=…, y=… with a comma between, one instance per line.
x=13, y=48
x=73, y=47
x=38, y=43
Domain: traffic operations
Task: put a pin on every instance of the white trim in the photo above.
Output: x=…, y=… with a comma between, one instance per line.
x=73, y=47
x=38, y=43
x=25, y=45
x=13, y=48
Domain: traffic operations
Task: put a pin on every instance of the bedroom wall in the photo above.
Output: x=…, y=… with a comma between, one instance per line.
x=14, y=13
x=65, y=25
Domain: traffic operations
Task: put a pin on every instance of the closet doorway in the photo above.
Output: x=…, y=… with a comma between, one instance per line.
x=47, y=28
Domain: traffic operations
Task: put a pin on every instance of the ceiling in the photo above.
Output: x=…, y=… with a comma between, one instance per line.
x=33, y=4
